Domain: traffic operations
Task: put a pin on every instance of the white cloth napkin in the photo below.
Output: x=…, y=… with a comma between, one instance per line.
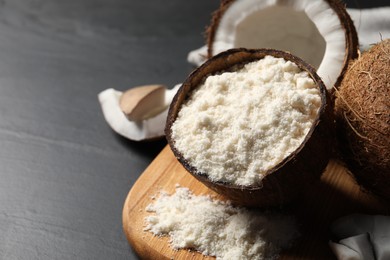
x=361, y=237
x=372, y=26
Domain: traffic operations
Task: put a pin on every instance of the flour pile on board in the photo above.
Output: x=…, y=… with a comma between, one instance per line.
x=216, y=228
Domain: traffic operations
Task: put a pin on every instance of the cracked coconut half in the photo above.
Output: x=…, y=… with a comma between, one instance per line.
x=320, y=32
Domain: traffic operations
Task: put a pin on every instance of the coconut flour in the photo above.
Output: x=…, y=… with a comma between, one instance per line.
x=216, y=228
x=237, y=125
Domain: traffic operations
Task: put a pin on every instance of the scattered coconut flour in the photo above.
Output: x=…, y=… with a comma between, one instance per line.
x=216, y=228
x=237, y=125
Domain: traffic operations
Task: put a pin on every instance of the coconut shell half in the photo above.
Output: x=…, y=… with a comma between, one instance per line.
x=283, y=182
x=326, y=70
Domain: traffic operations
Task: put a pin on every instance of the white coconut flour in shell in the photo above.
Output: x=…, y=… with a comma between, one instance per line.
x=237, y=125
x=216, y=228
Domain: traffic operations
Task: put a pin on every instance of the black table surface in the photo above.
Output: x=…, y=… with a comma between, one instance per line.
x=64, y=174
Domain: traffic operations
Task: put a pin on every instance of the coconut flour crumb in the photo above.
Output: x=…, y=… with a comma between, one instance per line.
x=217, y=228
x=237, y=125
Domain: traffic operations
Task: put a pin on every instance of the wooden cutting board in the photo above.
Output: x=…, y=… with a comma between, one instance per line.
x=334, y=196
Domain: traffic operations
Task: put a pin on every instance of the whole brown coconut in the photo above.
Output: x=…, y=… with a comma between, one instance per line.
x=284, y=181
x=363, y=117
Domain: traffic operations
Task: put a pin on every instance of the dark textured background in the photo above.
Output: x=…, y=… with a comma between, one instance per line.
x=64, y=174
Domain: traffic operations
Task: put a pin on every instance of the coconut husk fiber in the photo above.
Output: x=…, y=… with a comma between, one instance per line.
x=363, y=119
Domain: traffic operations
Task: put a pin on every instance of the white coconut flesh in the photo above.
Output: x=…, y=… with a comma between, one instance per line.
x=149, y=128
x=309, y=29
